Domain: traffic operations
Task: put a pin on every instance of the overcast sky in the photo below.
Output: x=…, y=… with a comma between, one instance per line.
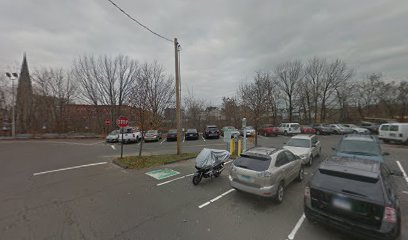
x=223, y=42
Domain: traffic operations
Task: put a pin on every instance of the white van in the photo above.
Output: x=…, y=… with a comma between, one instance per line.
x=397, y=132
x=289, y=128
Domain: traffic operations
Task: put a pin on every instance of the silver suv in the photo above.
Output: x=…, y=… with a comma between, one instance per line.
x=266, y=172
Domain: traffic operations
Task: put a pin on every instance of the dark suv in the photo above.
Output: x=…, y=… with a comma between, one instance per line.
x=357, y=196
x=211, y=131
x=360, y=146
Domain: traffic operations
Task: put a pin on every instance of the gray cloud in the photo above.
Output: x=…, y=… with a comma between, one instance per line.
x=223, y=42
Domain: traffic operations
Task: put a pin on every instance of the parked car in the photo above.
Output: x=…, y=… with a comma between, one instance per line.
x=307, y=129
x=129, y=136
x=360, y=146
x=211, y=131
x=307, y=147
x=266, y=172
x=372, y=127
x=269, y=130
x=233, y=130
x=191, y=134
x=289, y=128
x=171, y=135
x=250, y=131
x=397, y=132
x=340, y=130
x=113, y=136
x=356, y=129
x=323, y=129
x=152, y=135
x=357, y=196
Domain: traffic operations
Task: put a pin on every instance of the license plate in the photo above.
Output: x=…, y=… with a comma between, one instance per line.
x=342, y=203
x=245, y=178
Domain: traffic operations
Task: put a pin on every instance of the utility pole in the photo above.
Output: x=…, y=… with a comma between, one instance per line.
x=12, y=77
x=178, y=110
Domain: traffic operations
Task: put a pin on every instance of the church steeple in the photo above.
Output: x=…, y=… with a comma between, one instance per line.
x=24, y=98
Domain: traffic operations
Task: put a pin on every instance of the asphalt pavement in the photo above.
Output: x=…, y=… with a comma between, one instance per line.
x=69, y=189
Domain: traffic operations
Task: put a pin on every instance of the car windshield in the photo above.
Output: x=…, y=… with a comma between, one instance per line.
x=250, y=128
x=171, y=131
x=356, y=147
x=152, y=132
x=297, y=142
x=114, y=132
x=191, y=130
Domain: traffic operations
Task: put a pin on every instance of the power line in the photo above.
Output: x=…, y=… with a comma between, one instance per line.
x=133, y=19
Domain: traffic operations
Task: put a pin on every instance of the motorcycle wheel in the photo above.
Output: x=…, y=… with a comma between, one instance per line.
x=197, y=179
x=217, y=174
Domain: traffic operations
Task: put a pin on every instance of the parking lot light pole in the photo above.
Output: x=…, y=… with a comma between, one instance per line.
x=12, y=77
x=178, y=107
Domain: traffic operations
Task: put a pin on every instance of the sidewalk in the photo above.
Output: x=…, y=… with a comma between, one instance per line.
x=53, y=136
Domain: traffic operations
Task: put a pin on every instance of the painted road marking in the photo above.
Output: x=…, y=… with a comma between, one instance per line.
x=113, y=147
x=162, y=173
x=203, y=138
x=184, y=138
x=163, y=141
x=188, y=175
x=403, y=171
x=69, y=168
x=216, y=198
x=292, y=234
x=405, y=192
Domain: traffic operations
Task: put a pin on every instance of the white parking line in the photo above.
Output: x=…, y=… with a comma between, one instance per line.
x=292, y=234
x=163, y=141
x=216, y=198
x=69, y=168
x=403, y=171
x=113, y=147
x=184, y=138
x=172, y=180
x=405, y=192
x=203, y=138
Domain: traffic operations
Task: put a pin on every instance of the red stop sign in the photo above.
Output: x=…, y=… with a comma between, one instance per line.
x=122, y=121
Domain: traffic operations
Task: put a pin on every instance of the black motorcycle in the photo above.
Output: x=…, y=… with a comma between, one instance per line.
x=207, y=173
x=209, y=163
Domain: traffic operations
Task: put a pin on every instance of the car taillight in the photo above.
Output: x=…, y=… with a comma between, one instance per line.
x=307, y=193
x=390, y=215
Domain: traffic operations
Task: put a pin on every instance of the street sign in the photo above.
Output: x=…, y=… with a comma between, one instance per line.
x=108, y=122
x=122, y=121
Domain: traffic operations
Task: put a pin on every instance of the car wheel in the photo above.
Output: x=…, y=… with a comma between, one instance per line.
x=285, y=133
x=301, y=175
x=280, y=193
x=265, y=135
x=318, y=132
x=310, y=163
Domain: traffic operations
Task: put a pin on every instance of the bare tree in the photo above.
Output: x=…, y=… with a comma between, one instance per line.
x=253, y=96
x=311, y=86
x=194, y=109
x=231, y=111
x=402, y=99
x=56, y=89
x=288, y=76
x=106, y=80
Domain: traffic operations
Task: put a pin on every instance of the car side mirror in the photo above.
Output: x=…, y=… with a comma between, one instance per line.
x=386, y=153
x=396, y=173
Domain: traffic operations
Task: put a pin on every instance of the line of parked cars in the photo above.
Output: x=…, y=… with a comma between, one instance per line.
x=353, y=190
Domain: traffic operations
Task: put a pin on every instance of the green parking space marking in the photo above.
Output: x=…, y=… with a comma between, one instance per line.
x=162, y=173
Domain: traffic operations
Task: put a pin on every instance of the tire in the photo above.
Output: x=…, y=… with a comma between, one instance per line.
x=301, y=175
x=285, y=133
x=318, y=132
x=386, y=141
x=265, y=135
x=310, y=163
x=217, y=174
x=280, y=193
x=197, y=179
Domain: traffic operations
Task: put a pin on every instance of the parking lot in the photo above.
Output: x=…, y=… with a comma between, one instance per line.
x=70, y=190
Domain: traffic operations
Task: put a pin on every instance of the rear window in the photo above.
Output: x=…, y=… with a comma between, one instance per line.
x=394, y=128
x=253, y=162
x=152, y=132
x=173, y=131
x=212, y=128
x=191, y=130
x=349, y=176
